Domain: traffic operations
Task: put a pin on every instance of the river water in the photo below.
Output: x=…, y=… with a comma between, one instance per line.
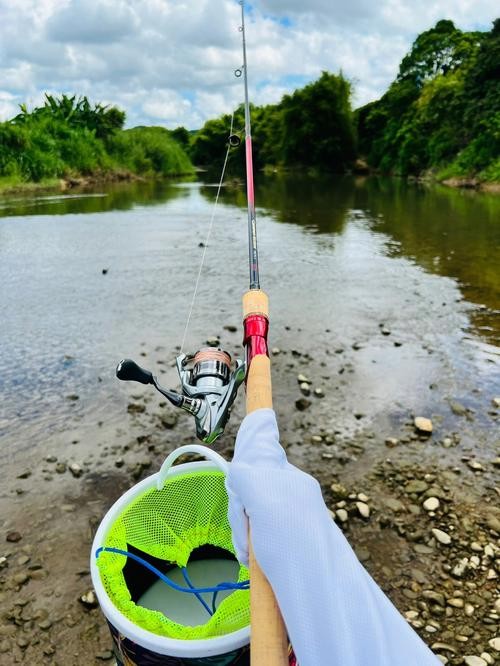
x=408, y=275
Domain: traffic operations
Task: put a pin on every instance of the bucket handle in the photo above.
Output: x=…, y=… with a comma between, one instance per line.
x=204, y=451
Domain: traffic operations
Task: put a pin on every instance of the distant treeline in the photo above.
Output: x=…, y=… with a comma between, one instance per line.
x=442, y=112
x=441, y=115
x=312, y=128
x=68, y=136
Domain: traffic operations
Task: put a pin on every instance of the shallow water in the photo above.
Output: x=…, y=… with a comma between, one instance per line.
x=340, y=260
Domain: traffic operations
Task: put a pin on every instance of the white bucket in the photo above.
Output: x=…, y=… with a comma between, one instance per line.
x=145, y=644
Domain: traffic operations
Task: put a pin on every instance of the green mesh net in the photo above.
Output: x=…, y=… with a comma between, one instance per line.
x=189, y=512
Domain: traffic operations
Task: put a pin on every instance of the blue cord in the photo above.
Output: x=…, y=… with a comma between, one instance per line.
x=197, y=591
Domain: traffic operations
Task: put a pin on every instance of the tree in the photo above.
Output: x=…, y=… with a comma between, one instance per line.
x=318, y=126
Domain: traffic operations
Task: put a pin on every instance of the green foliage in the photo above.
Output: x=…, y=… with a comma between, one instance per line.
x=102, y=120
x=69, y=136
x=317, y=125
x=150, y=150
x=209, y=144
x=442, y=110
x=313, y=127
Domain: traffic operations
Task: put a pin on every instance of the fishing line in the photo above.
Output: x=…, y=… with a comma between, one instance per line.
x=210, y=226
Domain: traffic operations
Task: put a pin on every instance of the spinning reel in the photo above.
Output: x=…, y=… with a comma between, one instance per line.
x=209, y=387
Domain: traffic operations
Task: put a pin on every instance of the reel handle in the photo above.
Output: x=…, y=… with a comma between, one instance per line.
x=128, y=371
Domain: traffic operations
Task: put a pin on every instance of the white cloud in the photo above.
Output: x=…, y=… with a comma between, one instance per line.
x=172, y=61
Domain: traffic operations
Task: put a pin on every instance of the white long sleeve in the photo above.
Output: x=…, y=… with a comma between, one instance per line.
x=335, y=613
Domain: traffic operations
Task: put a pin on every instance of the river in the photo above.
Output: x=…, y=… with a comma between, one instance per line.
x=341, y=260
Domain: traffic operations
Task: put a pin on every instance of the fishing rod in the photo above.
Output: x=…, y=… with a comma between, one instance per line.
x=209, y=387
x=268, y=637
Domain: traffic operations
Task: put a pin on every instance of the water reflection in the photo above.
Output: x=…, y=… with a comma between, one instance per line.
x=321, y=204
x=454, y=233
x=111, y=196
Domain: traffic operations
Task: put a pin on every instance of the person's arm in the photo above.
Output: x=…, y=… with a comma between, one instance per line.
x=334, y=612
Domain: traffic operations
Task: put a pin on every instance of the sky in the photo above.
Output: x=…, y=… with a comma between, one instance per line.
x=172, y=62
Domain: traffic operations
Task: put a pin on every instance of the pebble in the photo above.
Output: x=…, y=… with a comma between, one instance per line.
x=302, y=379
x=339, y=490
x=61, y=468
x=364, y=509
x=169, y=420
x=416, y=487
x=302, y=404
x=24, y=475
x=495, y=643
x=475, y=466
x=72, y=396
x=431, y=504
x=443, y=646
x=305, y=388
x=493, y=523
x=89, y=599
x=213, y=341
x=21, y=578
x=456, y=602
x=135, y=408
x=342, y=515
x=319, y=393
x=423, y=425
x=475, y=661
x=394, y=504
x=75, y=469
x=391, y=442
x=434, y=596
x=363, y=554
x=442, y=537
x=487, y=658
x=469, y=610
x=231, y=328
x=13, y=537
x=457, y=408
x=105, y=655
x=45, y=624
x=460, y=568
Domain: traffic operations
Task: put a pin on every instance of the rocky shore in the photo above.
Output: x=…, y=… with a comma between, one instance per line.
x=416, y=498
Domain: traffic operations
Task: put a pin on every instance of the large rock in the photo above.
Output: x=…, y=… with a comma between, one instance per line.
x=423, y=425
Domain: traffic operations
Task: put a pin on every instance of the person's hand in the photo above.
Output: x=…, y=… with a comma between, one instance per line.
x=334, y=612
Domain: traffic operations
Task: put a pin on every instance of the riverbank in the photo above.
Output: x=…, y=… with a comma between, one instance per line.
x=433, y=177
x=420, y=510
x=61, y=185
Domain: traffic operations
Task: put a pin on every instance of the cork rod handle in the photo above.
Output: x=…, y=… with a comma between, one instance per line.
x=268, y=642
